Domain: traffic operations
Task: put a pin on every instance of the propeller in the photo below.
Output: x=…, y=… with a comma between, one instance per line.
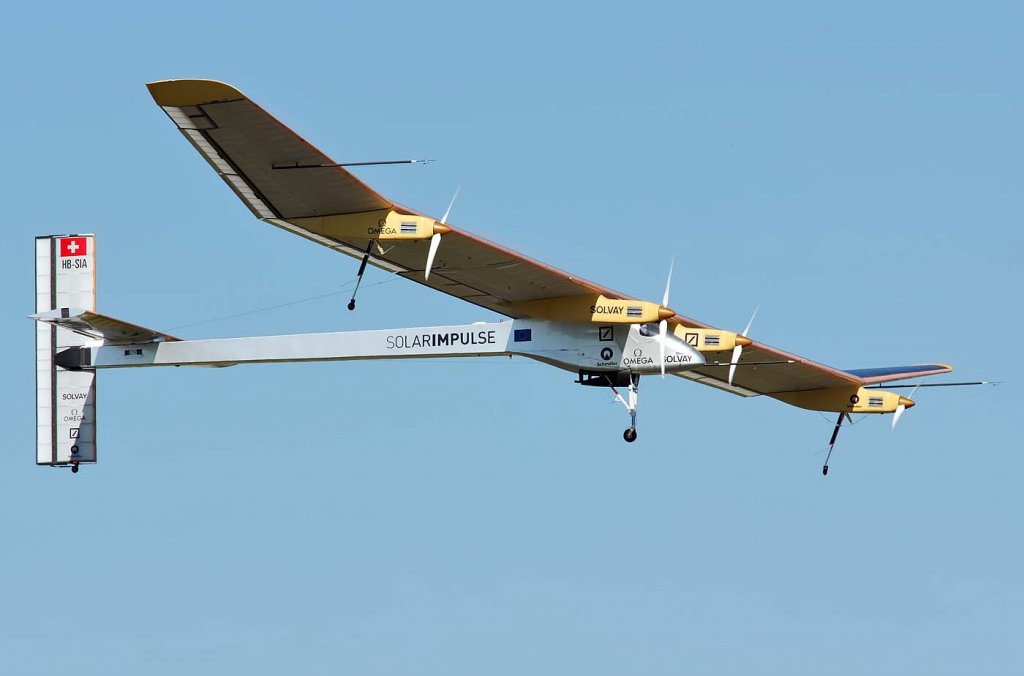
x=440, y=228
x=663, y=326
x=738, y=350
x=905, y=403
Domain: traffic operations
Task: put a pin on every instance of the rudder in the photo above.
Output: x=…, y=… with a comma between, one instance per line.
x=65, y=398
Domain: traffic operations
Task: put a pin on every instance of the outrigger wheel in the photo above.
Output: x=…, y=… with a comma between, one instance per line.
x=630, y=434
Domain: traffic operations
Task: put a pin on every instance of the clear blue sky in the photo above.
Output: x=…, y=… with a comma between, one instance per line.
x=856, y=172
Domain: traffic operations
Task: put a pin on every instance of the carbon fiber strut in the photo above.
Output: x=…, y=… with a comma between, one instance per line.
x=359, y=275
x=832, y=441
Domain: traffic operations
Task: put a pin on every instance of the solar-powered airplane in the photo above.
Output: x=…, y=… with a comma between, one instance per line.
x=606, y=338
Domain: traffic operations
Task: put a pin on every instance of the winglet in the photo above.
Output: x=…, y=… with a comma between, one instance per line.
x=887, y=374
x=192, y=92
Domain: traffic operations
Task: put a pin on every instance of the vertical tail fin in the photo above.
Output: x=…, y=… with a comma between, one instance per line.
x=65, y=397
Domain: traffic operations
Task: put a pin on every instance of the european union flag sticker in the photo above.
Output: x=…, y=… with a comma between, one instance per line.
x=522, y=335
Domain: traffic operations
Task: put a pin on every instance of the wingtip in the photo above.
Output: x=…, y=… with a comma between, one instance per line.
x=191, y=92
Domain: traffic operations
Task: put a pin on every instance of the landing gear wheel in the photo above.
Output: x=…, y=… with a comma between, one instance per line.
x=824, y=470
x=630, y=434
x=351, y=305
x=74, y=468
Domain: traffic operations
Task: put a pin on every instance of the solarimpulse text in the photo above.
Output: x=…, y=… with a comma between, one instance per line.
x=455, y=338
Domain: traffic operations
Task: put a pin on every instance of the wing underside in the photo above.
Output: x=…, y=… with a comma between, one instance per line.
x=288, y=183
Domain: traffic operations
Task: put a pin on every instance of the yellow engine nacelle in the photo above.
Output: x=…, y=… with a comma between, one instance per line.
x=593, y=308
x=849, y=400
x=709, y=340
x=383, y=224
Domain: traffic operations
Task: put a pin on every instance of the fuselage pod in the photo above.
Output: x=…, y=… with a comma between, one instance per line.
x=639, y=352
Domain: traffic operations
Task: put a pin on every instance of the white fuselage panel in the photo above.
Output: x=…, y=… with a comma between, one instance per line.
x=566, y=345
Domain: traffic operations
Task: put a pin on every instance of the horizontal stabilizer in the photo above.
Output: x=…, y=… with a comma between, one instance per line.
x=100, y=327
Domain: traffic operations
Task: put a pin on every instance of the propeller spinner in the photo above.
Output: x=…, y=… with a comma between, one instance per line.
x=905, y=403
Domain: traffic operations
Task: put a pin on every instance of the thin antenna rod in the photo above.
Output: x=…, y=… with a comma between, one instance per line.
x=296, y=165
x=893, y=387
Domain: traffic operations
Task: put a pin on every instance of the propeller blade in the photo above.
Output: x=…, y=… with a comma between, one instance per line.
x=738, y=350
x=435, y=239
x=663, y=325
x=898, y=414
x=747, y=330
x=903, y=407
x=662, y=332
x=444, y=219
x=668, y=283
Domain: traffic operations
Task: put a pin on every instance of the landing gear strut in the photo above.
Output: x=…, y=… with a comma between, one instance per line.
x=832, y=441
x=359, y=276
x=634, y=384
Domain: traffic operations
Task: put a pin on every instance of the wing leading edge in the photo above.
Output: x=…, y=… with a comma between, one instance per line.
x=287, y=182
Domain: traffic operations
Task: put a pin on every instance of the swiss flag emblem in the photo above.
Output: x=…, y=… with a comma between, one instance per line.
x=72, y=246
